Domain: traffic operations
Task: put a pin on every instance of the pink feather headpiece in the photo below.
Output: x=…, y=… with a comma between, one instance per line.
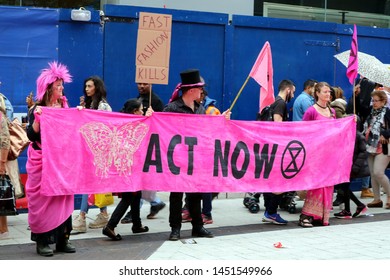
x=50, y=75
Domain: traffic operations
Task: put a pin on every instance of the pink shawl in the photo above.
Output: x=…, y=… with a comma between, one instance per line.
x=44, y=212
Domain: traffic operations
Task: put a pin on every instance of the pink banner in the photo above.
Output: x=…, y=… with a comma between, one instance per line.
x=92, y=151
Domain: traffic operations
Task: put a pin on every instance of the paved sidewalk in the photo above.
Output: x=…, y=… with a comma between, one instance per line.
x=240, y=235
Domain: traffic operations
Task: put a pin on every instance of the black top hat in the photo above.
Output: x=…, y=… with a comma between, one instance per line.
x=191, y=78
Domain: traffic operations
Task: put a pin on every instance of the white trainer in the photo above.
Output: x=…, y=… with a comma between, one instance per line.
x=79, y=224
x=100, y=221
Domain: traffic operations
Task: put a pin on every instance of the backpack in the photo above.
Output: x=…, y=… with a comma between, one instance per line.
x=266, y=114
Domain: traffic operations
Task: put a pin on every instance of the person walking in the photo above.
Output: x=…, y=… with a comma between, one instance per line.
x=377, y=133
x=359, y=170
x=94, y=98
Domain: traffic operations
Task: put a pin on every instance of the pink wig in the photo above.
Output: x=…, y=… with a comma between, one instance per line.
x=50, y=75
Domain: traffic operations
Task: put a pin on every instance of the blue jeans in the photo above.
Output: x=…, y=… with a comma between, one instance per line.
x=151, y=197
x=207, y=205
x=84, y=207
x=366, y=182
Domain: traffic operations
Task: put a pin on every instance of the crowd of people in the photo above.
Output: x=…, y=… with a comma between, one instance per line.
x=318, y=101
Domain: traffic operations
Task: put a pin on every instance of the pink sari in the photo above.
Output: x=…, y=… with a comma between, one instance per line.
x=45, y=213
x=318, y=202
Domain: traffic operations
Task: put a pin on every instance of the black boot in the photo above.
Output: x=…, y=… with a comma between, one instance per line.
x=65, y=246
x=44, y=250
x=175, y=234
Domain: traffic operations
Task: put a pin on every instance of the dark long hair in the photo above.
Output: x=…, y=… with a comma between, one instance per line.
x=100, y=93
x=131, y=106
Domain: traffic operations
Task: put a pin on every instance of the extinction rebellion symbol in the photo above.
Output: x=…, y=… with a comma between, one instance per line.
x=293, y=159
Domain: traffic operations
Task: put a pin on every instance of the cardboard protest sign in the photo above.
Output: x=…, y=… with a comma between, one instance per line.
x=153, y=48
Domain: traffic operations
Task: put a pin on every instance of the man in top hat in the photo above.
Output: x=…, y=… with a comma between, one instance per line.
x=191, y=87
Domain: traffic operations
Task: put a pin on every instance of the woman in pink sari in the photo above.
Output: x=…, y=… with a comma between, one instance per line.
x=318, y=202
x=49, y=217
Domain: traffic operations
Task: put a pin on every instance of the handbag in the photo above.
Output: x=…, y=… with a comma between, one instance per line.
x=12, y=168
x=103, y=199
x=18, y=139
x=7, y=197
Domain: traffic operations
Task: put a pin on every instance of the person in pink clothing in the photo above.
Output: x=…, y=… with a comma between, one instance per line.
x=318, y=202
x=49, y=217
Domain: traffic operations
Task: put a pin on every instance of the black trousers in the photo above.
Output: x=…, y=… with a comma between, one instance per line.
x=194, y=207
x=348, y=196
x=57, y=235
x=271, y=202
x=131, y=199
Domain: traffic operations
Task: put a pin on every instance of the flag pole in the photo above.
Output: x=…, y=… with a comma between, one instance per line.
x=238, y=94
x=354, y=97
x=150, y=95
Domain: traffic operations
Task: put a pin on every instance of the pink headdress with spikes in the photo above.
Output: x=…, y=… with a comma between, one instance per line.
x=50, y=75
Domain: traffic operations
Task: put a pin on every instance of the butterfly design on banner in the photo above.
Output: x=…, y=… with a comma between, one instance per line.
x=113, y=146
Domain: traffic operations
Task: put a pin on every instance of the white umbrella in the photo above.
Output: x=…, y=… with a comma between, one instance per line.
x=369, y=67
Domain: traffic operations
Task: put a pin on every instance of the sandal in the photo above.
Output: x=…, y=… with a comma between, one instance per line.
x=305, y=223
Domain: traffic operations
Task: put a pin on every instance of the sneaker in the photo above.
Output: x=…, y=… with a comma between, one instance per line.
x=360, y=211
x=127, y=219
x=185, y=216
x=79, y=224
x=155, y=209
x=100, y=221
x=366, y=193
x=207, y=219
x=343, y=215
x=274, y=218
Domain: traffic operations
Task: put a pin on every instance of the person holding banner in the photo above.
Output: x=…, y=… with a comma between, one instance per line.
x=286, y=90
x=132, y=199
x=49, y=217
x=191, y=87
x=207, y=198
x=318, y=202
x=148, y=99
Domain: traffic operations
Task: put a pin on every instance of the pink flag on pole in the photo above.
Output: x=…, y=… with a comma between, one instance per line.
x=352, y=69
x=262, y=73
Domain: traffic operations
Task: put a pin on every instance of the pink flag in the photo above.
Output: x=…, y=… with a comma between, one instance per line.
x=352, y=70
x=262, y=72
